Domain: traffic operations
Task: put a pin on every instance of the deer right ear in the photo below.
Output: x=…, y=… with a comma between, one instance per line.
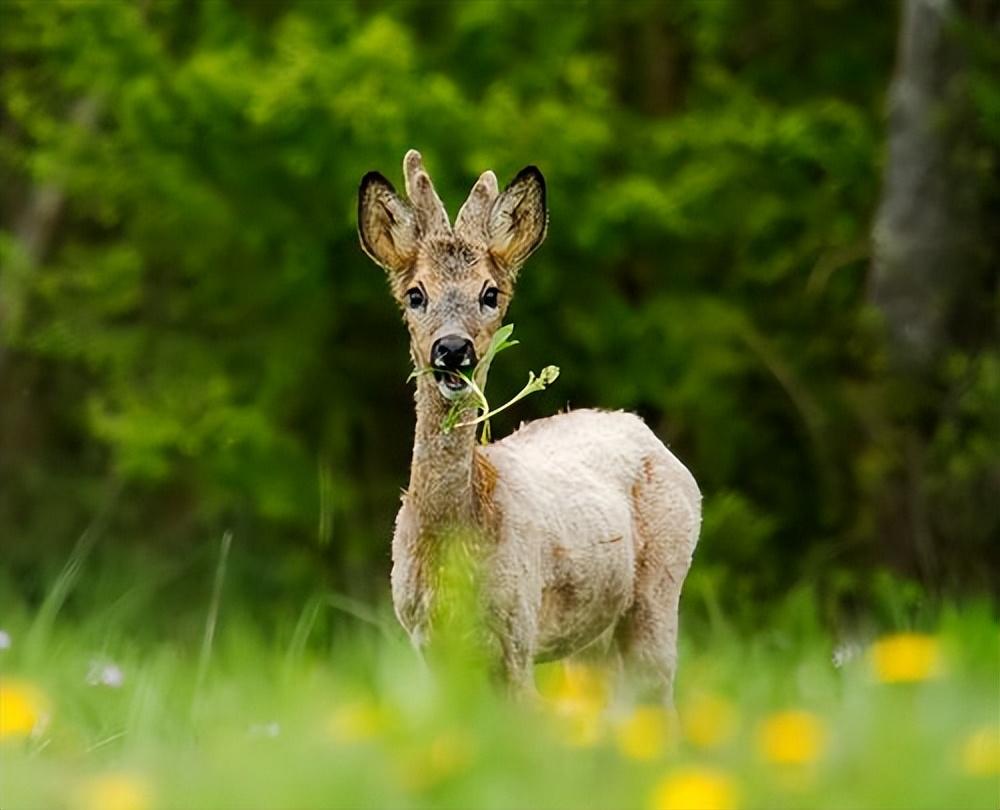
x=387, y=225
x=518, y=219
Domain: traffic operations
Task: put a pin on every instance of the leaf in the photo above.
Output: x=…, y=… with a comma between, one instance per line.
x=545, y=377
x=476, y=382
x=500, y=342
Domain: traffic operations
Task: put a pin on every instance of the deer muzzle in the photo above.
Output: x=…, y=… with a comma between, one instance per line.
x=451, y=357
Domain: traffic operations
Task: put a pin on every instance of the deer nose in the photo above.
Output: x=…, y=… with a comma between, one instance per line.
x=454, y=353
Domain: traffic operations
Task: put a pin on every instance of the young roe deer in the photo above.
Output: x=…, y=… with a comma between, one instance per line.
x=583, y=524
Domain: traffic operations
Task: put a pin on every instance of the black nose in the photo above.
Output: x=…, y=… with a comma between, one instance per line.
x=454, y=353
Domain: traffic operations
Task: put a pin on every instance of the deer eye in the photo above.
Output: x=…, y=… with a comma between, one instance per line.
x=490, y=297
x=415, y=298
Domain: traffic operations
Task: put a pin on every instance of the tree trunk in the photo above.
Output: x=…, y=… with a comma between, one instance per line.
x=33, y=233
x=929, y=267
x=918, y=261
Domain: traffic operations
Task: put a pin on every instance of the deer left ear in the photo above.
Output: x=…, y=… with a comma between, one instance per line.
x=518, y=220
x=386, y=224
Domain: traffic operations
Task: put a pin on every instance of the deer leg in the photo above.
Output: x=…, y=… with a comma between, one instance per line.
x=518, y=669
x=666, y=525
x=647, y=639
x=514, y=633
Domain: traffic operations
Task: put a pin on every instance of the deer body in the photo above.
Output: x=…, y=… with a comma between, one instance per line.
x=583, y=524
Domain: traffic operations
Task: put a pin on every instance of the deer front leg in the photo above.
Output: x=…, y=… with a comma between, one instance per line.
x=514, y=626
x=518, y=669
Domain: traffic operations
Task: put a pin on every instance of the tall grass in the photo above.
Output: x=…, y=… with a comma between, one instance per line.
x=340, y=713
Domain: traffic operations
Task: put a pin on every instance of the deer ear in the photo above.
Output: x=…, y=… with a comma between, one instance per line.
x=387, y=225
x=518, y=219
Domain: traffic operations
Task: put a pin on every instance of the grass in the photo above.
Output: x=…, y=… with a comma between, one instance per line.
x=95, y=713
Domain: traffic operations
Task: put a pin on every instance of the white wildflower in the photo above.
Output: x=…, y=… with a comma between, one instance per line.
x=105, y=673
x=846, y=652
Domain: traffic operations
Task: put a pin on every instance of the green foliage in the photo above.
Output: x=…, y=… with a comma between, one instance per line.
x=351, y=718
x=193, y=347
x=197, y=322
x=476, y=396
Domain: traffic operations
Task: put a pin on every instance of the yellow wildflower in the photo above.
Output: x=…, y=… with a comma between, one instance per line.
x=695, y=789
x=981, y=752
x=577, y=695
x=355, y=722
x=114, y=791
x=708, y=721
x=906, y=657
x=791, y=738
x=24, y=709
x=576, y=688
x=644, y=733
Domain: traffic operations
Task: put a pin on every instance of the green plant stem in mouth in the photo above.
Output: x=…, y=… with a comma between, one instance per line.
x=475, y=395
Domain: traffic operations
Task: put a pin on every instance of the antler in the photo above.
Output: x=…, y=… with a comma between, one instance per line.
x=428, y=206
x=472, y=222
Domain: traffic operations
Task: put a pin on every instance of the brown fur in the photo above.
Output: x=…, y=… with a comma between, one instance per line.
x=582, y=526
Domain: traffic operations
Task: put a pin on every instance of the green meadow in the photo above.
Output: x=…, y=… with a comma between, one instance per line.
x=116, y=709
x=771, y=233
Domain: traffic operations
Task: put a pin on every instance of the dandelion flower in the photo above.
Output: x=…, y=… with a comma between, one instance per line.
x=906, y=658
x=708, y=721
x=114, y=791
x=576, y=688
x=24, y=709
x=577, y=696
x=791, y=738
x=981, y=752
x=695, y=789
x=644, y=734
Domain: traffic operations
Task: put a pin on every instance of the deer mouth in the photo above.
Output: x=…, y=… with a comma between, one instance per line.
x=450, y=384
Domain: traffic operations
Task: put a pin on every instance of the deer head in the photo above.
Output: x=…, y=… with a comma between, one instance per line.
x=454, y=284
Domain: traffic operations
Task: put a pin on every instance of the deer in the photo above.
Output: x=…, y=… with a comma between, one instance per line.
x=583, y=524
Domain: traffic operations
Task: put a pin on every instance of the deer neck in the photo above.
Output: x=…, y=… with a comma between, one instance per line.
x=441, y=471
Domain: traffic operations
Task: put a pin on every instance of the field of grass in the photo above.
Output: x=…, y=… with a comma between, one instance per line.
x=98, y=713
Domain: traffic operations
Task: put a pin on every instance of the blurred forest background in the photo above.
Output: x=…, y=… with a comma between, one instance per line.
x=774, y=234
